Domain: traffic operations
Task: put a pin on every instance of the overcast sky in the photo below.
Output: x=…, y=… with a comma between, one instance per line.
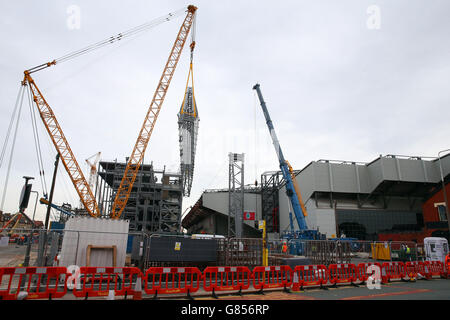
x=343, y=80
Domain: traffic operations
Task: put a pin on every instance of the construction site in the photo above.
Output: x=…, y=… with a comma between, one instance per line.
x=142, y=229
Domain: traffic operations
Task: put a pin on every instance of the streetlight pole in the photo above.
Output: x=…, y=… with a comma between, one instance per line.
x=47, y=216
x=443, y=187
x=30, y=238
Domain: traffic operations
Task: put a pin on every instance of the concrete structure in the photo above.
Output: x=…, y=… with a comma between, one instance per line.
x=155, y=202
x=210, y=214
x=388, y=196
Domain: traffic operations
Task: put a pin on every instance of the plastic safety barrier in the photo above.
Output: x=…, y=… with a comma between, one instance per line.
x=362, y=270
x=272, y=277
x=160, y=280
x=342, y=273
x=393, y=271
x=100, y=281
x=310, y=275
x=38, y=283
x=415, y=268
x=436, y=268
x=226, y=279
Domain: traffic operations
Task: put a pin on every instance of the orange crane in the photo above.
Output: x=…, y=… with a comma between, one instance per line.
x=60, y=142
x=62, y=145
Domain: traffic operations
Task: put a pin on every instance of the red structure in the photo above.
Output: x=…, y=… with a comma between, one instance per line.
x=435, y=220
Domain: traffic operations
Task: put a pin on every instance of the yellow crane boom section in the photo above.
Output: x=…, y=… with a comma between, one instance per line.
x=297, y=189
x=137, y=155
x=62, y=146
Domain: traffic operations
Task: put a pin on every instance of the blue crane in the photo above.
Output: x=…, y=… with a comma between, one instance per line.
x=292, y=189
x=54, y=206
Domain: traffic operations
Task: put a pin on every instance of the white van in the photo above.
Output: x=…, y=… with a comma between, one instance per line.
x=435, y=248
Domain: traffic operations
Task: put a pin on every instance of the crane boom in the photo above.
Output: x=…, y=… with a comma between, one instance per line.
x=62, y=146
x=297, y=189
x=137, y=155
x=54, y=206
x=290, y=189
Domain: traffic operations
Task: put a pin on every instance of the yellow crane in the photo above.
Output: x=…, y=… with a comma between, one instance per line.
x=59, y=140
x=297, y=189
x=137, y=155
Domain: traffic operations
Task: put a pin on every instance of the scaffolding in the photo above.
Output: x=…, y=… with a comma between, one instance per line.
x=235, y=194
x=155, y=201
x=271, y=183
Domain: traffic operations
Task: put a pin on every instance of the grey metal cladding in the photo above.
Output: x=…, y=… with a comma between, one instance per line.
x=364, y=179
x=344, y=177
x=349, y=177
x=375, y=173
x=322, y=177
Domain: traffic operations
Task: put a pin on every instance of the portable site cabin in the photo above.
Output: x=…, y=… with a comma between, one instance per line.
x=435, y=248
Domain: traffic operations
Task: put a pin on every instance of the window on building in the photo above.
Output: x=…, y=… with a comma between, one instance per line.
x=442, y=212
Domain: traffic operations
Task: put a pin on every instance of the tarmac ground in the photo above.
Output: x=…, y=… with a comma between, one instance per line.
x=435, y=289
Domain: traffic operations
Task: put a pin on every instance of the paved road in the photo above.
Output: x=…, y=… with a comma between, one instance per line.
x=14, y=254
x=436, y=289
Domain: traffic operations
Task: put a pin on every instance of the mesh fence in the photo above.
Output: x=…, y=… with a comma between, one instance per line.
x=65, y=247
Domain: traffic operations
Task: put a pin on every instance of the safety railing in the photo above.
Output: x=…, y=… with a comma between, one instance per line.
x=160, y=280
x=365, y=270
x=393, y=271
x=437, y=268
x=99, y=282
x=272, y=277
x=226, y=279
x=306, y=276
x=342, y=273
x=34, y=282
x=88, y=282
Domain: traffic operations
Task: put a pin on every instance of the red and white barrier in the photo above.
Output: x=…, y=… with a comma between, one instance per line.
x=437, y=268
x=226, y=279
x=53, y=282
x=417, y=269
x=342, y=273
x=393, y=271
x=36, y=282
x=365, y=270
x=272, y=277
x=311, y=275
x=160, y=280
x=103, y=281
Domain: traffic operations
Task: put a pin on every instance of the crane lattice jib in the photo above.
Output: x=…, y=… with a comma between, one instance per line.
x=63, y=148
x=137, y=155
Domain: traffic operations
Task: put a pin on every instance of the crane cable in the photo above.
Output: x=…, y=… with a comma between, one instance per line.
x=37, y=144
x=13, y=116
x=19, y=103
x=129, y=33
x=191, y=71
